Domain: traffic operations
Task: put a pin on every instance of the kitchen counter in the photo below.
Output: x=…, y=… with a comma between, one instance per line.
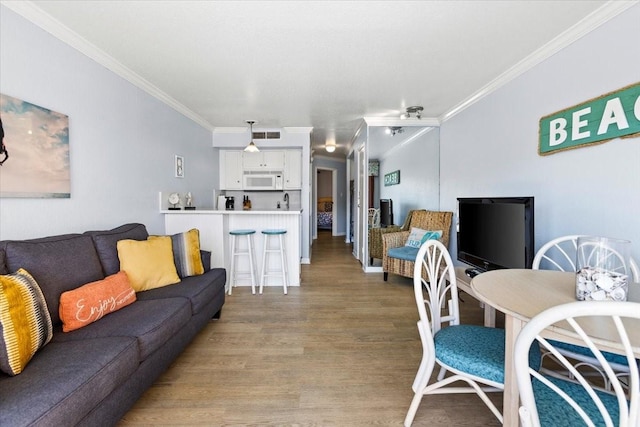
x=214, y=227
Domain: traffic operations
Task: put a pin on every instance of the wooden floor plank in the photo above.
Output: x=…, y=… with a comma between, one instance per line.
x=340, y=350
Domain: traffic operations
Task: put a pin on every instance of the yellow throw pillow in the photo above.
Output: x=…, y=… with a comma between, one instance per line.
x=186, y=253
x=25, y=324
x=148, y=263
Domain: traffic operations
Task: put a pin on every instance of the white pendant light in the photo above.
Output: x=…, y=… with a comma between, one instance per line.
x=251, y=148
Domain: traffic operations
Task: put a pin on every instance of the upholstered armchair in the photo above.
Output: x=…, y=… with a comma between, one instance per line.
x=403, y=262
x=375, y=236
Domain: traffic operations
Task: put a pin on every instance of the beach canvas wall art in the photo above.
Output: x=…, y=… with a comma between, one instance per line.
x=34, y=151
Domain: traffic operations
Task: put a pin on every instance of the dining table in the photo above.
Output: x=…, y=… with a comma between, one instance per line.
x=521, y=294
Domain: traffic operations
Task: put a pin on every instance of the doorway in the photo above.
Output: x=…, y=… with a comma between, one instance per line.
x=325, y=201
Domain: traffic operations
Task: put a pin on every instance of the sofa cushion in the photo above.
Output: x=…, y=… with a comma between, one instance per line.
x=149, y=264
x=94, y=300
x=105, y=242
x=58, y=263
x=152, y=323
x=206, y=259
x=200, y=290
x=25, y=324
x=406, y=253
x=66, y=380
x=186, y=253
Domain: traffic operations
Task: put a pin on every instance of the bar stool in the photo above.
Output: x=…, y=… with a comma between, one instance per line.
x=283, y=272
x=235, y=251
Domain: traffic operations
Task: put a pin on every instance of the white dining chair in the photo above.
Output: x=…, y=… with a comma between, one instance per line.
x=560, y=254
x=551, y=401
x=464, y=353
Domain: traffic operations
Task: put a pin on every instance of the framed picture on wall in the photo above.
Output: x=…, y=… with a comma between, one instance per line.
x=34, y=151
x=179, y=167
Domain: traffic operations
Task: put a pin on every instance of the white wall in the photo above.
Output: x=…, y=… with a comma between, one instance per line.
x=418, y=163
x=122, y=141
x=490, y=149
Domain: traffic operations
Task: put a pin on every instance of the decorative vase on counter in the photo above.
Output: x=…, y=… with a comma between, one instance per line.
x=602, y=269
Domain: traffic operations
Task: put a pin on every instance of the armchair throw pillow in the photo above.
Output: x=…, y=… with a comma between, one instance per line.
x=418, y=236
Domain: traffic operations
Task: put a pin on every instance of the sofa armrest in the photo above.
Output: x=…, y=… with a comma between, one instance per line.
x=205, y=256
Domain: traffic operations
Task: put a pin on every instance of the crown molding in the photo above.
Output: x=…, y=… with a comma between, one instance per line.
x=37, y=16
x=594, y=20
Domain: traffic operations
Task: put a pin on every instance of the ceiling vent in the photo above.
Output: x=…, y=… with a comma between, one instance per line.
x=266, y=135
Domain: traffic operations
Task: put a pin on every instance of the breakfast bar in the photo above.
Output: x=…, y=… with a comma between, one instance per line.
x=214, y=226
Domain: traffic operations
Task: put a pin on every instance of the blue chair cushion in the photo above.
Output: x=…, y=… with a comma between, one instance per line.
x=406, y=253
x=555, y=411
x=477, y=350
x=584, y=351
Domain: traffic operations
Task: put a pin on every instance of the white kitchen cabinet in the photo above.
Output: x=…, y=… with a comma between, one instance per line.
x=293, y=169
x=263, y=160
x=230, y=170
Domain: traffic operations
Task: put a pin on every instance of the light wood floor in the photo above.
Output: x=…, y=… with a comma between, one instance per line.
x=341, y=350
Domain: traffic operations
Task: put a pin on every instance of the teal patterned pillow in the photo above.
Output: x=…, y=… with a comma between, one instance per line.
x=418, y=236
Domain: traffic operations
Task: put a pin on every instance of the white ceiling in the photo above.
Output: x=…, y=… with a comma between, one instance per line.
x=324, y=64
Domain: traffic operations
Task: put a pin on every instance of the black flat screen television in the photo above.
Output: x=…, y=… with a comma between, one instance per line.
x=495, y=232
x=386, y=212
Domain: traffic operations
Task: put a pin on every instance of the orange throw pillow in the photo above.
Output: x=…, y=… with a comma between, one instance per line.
x=90, y=302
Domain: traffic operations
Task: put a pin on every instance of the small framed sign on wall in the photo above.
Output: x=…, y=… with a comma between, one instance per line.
x=179, y=167
x=392, y=178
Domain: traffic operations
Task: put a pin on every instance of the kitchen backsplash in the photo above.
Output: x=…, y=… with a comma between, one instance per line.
x=266, y=200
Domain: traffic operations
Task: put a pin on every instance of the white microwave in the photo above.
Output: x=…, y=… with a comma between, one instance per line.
x=262, y=181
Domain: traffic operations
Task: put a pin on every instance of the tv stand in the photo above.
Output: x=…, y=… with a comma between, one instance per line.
x=464, y=284
x=473, y=272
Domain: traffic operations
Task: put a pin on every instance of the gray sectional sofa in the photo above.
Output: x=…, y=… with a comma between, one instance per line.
x=91, y=376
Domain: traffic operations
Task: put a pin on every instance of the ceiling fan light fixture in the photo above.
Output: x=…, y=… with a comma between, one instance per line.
x=416, y=110
x=252, y=147
x=393, y=130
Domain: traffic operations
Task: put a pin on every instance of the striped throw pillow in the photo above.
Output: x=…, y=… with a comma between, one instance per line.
x=186, y=253
x=25, y=324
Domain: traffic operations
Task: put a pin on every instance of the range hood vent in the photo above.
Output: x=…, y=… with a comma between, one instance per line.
x=266, y=135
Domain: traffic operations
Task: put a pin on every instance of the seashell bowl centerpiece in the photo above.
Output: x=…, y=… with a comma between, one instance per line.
x=602, y=269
